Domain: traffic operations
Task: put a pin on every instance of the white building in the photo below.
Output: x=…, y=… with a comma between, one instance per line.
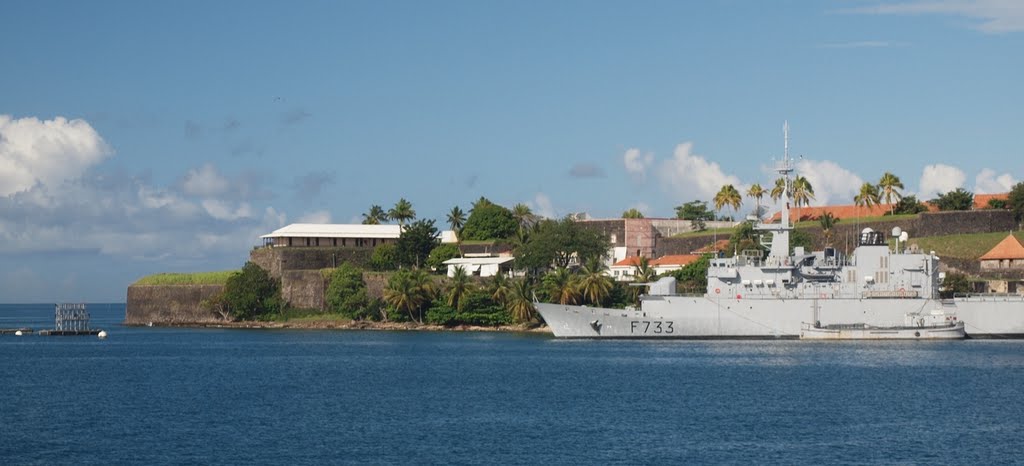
x=339, y=235
x=481, y=266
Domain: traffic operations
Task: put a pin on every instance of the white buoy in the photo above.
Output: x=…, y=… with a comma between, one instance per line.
x=18, y=333
x=102, y=335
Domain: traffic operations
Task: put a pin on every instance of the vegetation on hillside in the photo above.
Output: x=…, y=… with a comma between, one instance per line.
x=196, y=278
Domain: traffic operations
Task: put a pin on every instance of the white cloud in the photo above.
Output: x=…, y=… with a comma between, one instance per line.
x=637, y=163
x=939, y=178
x=205, y=182
x=319, y=216
x=542, y=206
x=993, y=16
x=832, y=183
x=46, y=152
x=691, y=176
x=988, y=182
x=222, y=210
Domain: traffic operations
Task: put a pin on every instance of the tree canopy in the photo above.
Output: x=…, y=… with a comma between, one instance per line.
x=415, y=243
x=251, y=293
x=694, y=210
x=909, y=205
x=489, y=221
x=1015, y=201
x=632, y=213
x=556, y=241
x=959, y=199
x=346, y=293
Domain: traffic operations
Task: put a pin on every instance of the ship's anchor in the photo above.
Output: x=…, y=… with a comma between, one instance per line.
x=596, y=325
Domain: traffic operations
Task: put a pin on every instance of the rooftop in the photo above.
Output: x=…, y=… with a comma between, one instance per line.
x=1008, y=248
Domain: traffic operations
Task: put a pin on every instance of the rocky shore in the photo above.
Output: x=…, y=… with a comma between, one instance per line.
x=357, y=325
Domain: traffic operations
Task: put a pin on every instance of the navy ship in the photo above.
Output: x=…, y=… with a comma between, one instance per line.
x=781, y=293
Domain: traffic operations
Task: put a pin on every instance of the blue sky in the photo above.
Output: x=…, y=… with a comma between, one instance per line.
x=143, y=137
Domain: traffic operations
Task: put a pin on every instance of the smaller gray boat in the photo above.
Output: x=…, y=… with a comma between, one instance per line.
x=934, y=326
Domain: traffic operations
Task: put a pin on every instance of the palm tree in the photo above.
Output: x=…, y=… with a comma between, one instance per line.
x=803, y=193
x=728, y=196
x=779, y=190
x=888, y=185
x=756, y=192
x=458, y=287
x=828, y=222
x=593, y=284
x=632, y=213
x=402, y=211
x=402, y=294
x=456, y=219
x=520, y=301
x=425, y=286
x=523, y=215
x=499, y=288
x=560, y=285
x=375, y=215
x=867, y=197
x=644, y=273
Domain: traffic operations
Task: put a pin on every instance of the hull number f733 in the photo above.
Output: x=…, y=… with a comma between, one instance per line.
x=650, y=326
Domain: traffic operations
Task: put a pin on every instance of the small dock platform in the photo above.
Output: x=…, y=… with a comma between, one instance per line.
x=12, y=331
x=68, y=333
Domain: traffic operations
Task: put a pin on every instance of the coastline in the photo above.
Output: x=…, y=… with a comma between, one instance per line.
x=355, y=325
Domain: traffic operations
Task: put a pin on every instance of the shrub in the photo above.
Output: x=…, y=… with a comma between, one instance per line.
x=252, y=293
x=346, y=294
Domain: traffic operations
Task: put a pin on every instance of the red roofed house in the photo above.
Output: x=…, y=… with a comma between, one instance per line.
x=981, y=200
x=624, y=269
x=1008, y=254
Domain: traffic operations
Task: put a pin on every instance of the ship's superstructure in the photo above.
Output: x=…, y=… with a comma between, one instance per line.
x=758, y=295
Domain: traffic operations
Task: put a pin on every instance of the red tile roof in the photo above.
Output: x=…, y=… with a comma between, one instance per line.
x=1008, y=248
x=676, y=259
x=981, y=200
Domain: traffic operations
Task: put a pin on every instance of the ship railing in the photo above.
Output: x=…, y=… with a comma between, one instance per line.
x=988, y=296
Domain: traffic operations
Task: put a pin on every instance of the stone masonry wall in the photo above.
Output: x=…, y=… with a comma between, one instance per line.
x=169, y=304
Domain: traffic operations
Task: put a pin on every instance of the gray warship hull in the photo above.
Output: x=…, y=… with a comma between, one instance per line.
x=704, y=317
x=769, y=291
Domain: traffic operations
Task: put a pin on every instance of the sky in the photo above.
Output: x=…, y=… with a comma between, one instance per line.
x=145, y=137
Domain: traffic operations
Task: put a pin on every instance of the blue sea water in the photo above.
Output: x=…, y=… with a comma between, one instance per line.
x=171, y=395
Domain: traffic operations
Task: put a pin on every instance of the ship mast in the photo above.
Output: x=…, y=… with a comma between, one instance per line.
x=780, y=231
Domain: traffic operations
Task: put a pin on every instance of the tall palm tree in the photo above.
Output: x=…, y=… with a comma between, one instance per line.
x=887, y=187
x=779, y=189
x=403, y=295
x=499, y=288
x=867, y=197
x=458, y=287
x=456, y=219
x=425, y=286
x=803, y=193
x=594, y=285
x=402, y=211
x=756, y=192
x=375, y=215
x=728, y=196
x=828, y=222
x=524, y=215
x=520, y=301
x=560, y=285
x=643, y=272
